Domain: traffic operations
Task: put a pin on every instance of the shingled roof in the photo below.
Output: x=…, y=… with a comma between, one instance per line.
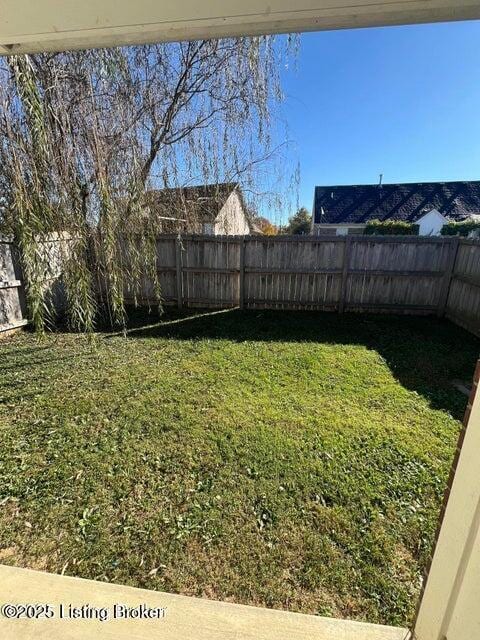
x=201, y=203
x=408, y=201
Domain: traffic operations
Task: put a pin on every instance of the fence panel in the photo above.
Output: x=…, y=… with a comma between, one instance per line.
x=463, y=303
x=12, y=305
x=293, y=273
x=209, y=271
x=402, y=274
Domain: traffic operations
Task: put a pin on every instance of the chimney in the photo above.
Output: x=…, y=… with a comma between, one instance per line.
x=380, y=181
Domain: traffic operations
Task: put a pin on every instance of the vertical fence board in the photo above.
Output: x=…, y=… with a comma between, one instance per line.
x=345, y=267
x=447, y=278
x=178, y=271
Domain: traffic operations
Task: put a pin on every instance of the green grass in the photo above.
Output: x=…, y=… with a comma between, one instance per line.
x=288, y=460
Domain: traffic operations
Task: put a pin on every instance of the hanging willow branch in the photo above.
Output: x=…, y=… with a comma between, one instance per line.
x=86, y=136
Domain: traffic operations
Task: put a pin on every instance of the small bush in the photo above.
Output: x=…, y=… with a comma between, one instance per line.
x=391, y=228
x=461, y=228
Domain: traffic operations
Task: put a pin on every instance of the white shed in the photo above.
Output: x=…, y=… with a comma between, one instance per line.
x=431, y=223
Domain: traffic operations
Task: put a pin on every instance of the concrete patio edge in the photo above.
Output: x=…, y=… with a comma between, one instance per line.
x=183, y=618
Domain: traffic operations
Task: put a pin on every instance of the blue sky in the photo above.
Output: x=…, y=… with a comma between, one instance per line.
x=402, y=101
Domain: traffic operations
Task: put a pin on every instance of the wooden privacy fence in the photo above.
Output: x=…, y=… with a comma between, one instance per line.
x=345, y=273
x=393, y=274
x=463, y=300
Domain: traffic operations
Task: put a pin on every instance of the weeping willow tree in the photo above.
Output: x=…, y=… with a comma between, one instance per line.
x=86, y=135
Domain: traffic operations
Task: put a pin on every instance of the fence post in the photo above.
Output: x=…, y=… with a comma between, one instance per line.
x=447, y=277
x=343, y=285
x=241, y=275
x=178, y=266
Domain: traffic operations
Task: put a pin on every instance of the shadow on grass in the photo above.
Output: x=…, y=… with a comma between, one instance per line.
x=424, y=353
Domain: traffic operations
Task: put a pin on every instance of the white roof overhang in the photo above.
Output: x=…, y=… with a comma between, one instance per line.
x=28, y=26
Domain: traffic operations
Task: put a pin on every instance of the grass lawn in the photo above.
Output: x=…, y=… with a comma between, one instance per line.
x=288, y=460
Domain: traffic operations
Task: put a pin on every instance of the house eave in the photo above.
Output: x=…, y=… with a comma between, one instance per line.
x=32, y=27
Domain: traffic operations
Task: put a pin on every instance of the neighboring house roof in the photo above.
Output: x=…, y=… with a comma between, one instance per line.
x=254, y=228
x=407, y=201
x=201, y=203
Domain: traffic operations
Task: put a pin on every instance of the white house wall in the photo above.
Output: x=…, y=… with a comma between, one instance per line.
x=231, y=221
